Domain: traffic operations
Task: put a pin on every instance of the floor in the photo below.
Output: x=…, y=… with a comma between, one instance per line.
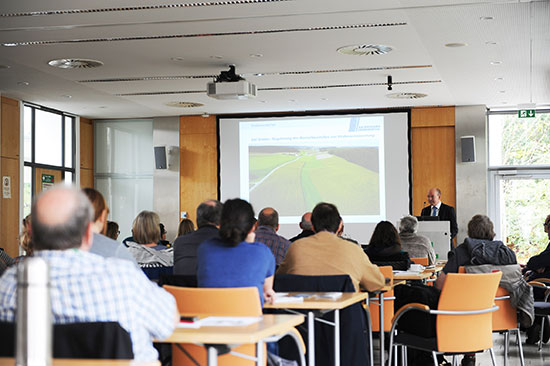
x=532, y=356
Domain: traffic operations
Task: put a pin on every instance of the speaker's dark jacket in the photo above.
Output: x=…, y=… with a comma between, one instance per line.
x=446, y=213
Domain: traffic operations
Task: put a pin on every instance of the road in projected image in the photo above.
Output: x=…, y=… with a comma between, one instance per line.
x=295, y=178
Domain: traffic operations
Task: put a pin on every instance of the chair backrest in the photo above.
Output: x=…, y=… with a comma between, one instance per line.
x=421, y=260
x=329, y=283
x=463, y=292
x=243, y=301
x=89, y=340
x=506, y=317
x=374, y=309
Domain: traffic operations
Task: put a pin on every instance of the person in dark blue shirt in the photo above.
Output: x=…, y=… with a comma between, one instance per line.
x=234, y=259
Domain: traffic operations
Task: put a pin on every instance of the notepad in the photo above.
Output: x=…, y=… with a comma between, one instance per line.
x=287, y=299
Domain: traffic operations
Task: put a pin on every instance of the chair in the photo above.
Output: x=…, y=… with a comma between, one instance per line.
x=88, y=340
x=389, y=298
x=542, y=308
x=505, y=320
x=425, y=261
x=353, y=320
x=464, y=319
x=244, y=301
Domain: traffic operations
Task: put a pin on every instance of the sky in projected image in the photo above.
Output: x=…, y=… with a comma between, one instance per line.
x=294, y=164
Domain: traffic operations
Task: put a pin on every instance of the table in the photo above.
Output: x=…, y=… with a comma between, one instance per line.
x=380, y=293
x=270, y=325
x=8, y=361
x=312, y=303
x=413, y=276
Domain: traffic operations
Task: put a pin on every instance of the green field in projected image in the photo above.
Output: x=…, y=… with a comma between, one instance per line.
x=294, y=181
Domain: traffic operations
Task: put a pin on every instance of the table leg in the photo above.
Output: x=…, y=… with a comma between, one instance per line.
x=381, y=303
x=212, y=356
x=260, y=353
x=311, y=338
x=336, y=337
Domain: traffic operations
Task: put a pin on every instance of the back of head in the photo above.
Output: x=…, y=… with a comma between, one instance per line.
x=481, y=227
x=146, y=228
x=186, y=226
x=209, y=213
x=97, y=201
x=305, y=223
x=60, y=219
x=268, y=217
x=112, y=230
x=325, y=217
x=408, y=224
x=237, y=220
x=384, y=235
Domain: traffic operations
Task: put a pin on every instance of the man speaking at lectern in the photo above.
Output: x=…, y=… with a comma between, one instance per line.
x=443, y=211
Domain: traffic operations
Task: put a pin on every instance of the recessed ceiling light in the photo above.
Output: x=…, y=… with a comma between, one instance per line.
x=256, y=55
x=292, y=100
x=324, y=98
x=9, y=44
x=217, y=57
x=487, y=18
x=502, y=91
x=67, y=96
x=365, y=49
x=262, y=101
x=23, y=83
x=103, y=107
x=406, y=95
x=495, y=63
x=184, y=104
x=259, y=74
x=499, y=79
x=75, y=63
x=490, y=43
x=177, y=59
x=4, y=67
x=205, y=115
x=456, y=44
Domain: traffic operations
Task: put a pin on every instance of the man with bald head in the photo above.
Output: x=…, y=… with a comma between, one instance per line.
x=443, y=211
x=86, y=287
x=305, y=225
x=186, y=246
x=268, y=224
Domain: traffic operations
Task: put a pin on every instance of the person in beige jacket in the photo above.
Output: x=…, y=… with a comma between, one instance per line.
x=327, y=254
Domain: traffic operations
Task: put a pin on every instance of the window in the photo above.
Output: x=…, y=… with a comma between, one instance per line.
x=519, y=180
x=49, y=145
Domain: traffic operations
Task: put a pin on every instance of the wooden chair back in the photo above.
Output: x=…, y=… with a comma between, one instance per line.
x=425, y=261
x=374, y=309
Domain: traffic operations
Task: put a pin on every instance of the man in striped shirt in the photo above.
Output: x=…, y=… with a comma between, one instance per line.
x=268, y=224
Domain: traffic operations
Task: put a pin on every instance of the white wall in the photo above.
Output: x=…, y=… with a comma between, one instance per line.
x=471, y=178
x=166, y=182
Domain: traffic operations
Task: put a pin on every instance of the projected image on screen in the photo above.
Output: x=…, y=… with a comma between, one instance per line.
x=295, y=166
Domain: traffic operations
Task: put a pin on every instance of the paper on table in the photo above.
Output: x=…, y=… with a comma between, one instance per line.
x=329, y=295
x=229, y=321
x=287, y=299
x=191, y=325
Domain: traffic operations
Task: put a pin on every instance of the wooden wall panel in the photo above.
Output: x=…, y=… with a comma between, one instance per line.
x=9, y=210
x=86, y=178
x=198, y=162
x=433, y=117
x=86, y=144
x=10, y=128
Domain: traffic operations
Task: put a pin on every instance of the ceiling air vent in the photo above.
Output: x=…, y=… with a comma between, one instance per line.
x=406, y=95
x=365, y=50
x=75, y=63
x=184, y=104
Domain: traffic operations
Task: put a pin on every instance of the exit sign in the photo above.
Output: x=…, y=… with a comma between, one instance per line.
x=526, y=113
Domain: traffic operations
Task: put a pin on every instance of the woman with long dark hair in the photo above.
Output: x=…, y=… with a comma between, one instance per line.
x=384, y=248
x=235, y=259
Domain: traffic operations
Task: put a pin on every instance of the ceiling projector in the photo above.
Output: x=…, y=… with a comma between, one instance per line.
x=229, y=85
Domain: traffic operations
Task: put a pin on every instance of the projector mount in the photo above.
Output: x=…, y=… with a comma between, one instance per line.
x=228, y=76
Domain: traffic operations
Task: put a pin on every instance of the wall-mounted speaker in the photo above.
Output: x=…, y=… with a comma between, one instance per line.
x=468, y=146
x=160, y=157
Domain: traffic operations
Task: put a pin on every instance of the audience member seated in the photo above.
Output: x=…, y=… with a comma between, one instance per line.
x=163, y=233
x=235, y=259
x=112, y=230
x=145, y=248
x=341, y=235
x=5, y=261
x=86, y=287
x=384, y=248
x=268, y=225
x=326, y=254
x=25, y=240
x=186, y=226
x=305, y=225
x=418, y=246
x=102, y=245
x=539, y=265
x=477, y=249
x=186, y=246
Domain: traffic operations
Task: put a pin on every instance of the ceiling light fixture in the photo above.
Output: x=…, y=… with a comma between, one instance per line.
x=67, y=96
x=184, y=104
x=256, y=55
x=499, y=79
x=23, y=83
x=496, y=63
x=216, y=57
x=490, y=43
x=178, y=59
x=406, y=95
x=4, y=67
x=487, y=18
